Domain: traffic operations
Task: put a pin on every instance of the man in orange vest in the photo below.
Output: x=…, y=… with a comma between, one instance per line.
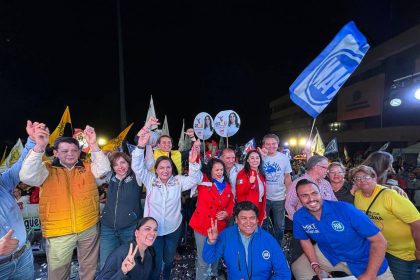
x=68, y=201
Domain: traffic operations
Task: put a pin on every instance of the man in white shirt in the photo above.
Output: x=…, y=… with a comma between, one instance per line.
x=277, y=170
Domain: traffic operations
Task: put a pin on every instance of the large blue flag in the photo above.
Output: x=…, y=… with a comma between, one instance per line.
x=317, y=85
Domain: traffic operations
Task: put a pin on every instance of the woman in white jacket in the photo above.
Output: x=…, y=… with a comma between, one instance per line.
x=163, y=199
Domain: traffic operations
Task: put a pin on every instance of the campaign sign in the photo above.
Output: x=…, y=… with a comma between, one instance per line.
x=203, y=126
x=227, y=123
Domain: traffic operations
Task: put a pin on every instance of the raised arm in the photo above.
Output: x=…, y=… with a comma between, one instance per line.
x=194, y=174
x=33, y=171
x=143, y=175
x=10, y=177
x=100, y=162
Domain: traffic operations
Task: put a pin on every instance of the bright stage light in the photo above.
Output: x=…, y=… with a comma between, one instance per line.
x=417, y=94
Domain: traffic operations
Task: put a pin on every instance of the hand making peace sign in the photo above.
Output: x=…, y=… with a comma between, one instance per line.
x=129, y=262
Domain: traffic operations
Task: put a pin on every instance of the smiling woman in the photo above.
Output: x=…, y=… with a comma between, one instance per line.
x=122, y=208
x=133, y=260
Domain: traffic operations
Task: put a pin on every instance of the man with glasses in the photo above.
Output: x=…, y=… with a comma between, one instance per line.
x=316, y=170
x=347, y=240
x=68, y=201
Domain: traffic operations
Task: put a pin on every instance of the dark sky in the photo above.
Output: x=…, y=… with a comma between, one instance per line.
x=215, y=55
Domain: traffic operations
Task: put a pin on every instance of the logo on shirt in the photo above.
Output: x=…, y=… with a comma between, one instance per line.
x=266, y=255
x=337, y=226
x=272, y=171
x=310, y=229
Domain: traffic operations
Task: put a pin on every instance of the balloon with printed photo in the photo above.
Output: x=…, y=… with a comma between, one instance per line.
x=227, y=123
x=203, y=126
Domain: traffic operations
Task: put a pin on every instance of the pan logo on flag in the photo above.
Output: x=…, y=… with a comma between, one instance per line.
x=331, y=74
x=317, y=85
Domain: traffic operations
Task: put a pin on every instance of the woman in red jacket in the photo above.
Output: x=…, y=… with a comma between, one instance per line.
x=251, y=183
x=215, y=202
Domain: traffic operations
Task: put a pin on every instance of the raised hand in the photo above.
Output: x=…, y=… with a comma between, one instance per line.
x=152, y=121
x=263, y=151
x=193, y=156
x=41, y=135
x=196, y=146
x=90, y=135
x=144, y=135
x=128, y=263
x=30, y=128
x=212, y=232
x=8, y=244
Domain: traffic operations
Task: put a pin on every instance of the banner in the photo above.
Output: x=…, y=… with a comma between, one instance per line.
x=13, y=156
x=317, y=85
x=332, y=147
x=115, y=143
x=59, y=130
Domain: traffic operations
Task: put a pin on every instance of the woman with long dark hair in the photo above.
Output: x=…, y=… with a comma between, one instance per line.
x=134, y=260
x=251, y=183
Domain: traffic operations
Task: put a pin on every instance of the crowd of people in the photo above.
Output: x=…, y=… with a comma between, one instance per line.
x=346, y=221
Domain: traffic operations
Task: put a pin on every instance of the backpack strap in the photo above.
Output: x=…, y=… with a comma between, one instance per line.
x=370, y=205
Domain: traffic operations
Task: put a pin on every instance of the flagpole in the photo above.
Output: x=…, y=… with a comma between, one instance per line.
x=312, y=129
x=227, y=142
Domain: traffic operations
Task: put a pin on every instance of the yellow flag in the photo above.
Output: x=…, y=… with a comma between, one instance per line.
x=59, y=130
x=13, y=156
x=115, y=143
x=317, y=145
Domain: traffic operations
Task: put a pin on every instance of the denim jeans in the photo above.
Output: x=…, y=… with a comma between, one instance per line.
x=21, y=268
x=203, y=270
x=278, y=218
x=401, y=269
x=165, y=249
x=111, y=239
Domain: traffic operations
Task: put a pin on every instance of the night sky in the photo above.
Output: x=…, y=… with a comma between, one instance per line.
x=215, y=55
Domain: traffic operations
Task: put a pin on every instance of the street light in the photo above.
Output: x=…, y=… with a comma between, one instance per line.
x=293, y=142
x=102, y=141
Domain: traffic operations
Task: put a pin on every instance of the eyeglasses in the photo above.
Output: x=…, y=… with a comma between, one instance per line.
x=361, y=179
x=336, y=173
x=323, y=167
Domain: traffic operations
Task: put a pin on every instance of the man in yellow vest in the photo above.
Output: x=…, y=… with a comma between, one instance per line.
x=68, y=201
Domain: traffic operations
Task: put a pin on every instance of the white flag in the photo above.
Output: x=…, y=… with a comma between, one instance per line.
x=165, y=127
x=151, y=112
x=181, y=142
x=13, y=156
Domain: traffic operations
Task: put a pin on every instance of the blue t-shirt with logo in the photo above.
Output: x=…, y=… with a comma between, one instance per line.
x=341, y=234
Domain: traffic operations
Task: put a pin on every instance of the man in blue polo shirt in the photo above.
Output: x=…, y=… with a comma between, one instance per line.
x=346, y=238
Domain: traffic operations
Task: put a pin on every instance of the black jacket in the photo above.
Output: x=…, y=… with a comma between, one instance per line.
x=123, y=206
x=112, y=268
